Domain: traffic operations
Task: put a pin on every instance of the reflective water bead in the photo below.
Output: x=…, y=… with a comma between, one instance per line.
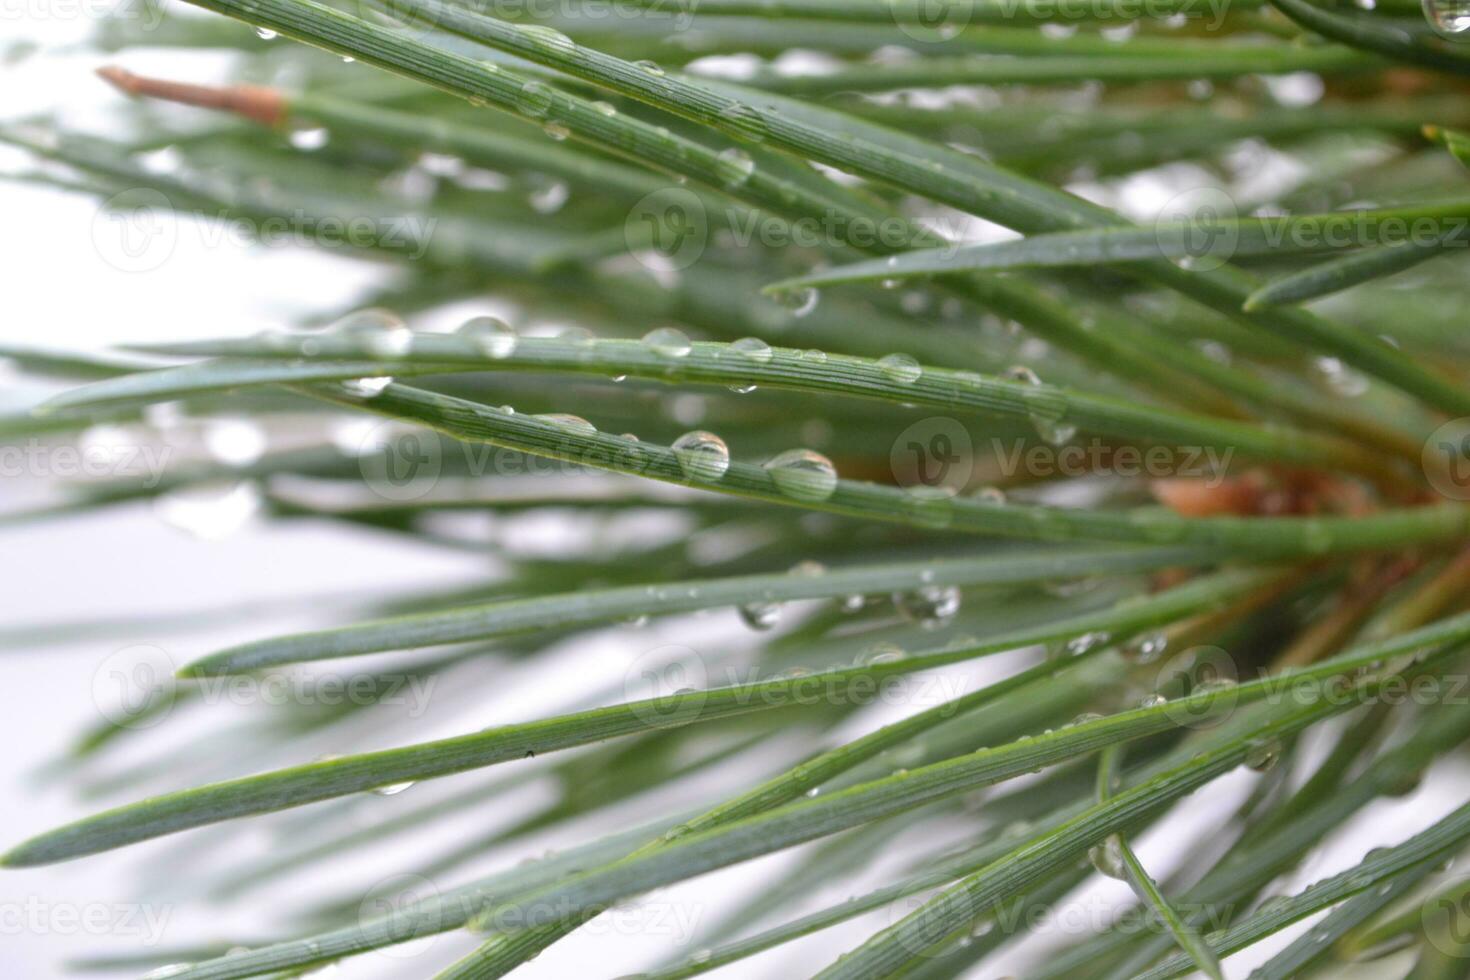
x=799, y=301
x=668, y=342
x=884, y=653
x=930, y=606
x=1449, y=18
x=901, y=368
x=1145, y=649
x=392, y=789
x=368, y=387
x=382, y=332
x=488, y=335
x=1086, y=643
x=1262, y=754
x=1107, y=857
x=735, y=166
x=753, y=349
x=803, y=474
x=760, y=615
x=573, y=422
x=702, y=455
x=549, y=37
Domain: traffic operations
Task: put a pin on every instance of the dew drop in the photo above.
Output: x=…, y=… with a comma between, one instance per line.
x=803, y=474
x=1021, y=374
x=668, y=342
x=900, y=367
x=884, y=653
x=852, y=603
x=799, y=301
x=748, y=122
x=265, y=34
x=815, y=356
x=991, y=495
x=1086, y=643
x=754, y=349
x=557, y=131
x=488, y=335
x=535, y=99
x=368, y=387
x=735, y=166
x=808, y=569
x=1152, y=701
x=651, y=67
x=382, y=332
x=1107, y=857
x=702, y=455
x=1055, y=433
x=1339, y=377
x=1145, y=649
x=577, y=336
x=1262, y=754
x=930, y=606
x=575, y=423
x=760, y=615
x=393, y=789
x=549, y=38
x=1449, y=18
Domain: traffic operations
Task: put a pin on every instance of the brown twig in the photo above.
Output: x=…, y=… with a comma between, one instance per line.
x=263, y=105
